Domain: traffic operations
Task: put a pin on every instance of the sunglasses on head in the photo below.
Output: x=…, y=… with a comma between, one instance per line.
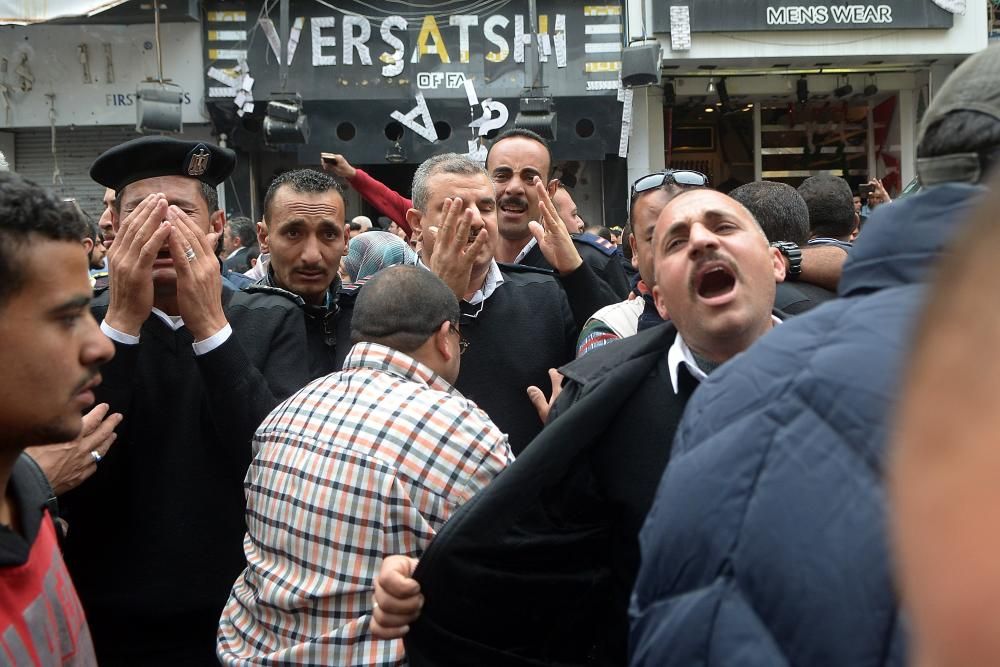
x=658, y=179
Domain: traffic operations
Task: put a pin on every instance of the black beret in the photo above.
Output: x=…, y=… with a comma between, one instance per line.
x=149, y=157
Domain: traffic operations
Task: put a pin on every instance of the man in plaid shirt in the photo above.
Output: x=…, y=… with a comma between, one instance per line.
x=362, y=463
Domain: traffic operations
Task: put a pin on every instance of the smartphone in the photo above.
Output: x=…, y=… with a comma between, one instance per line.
x=866, y=190
x=331, y=158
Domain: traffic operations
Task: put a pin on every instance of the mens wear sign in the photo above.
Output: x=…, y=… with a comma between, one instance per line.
x=765, y=15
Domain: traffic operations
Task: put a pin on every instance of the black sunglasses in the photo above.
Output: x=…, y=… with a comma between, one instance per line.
x=658, y=179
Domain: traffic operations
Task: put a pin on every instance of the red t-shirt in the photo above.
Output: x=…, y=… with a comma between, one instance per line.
x=42, y=623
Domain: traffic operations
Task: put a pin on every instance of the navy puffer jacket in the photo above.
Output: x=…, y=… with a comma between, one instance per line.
x=767, y=544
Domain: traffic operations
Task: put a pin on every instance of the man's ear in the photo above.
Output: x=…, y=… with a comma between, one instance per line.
x=778, y=260
x=347, y=238
x=635, y=252
x=262, y=236
x=661, y=306
x=217, y=221
x=552, y=187
x=857, y=227
x=441, y=342
x=88, y=245
x=415, y=218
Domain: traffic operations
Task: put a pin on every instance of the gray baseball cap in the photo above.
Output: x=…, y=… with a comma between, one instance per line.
x=973, y=86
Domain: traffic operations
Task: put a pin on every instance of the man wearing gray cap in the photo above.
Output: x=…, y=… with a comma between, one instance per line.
x=767, y=541
x=154, y=543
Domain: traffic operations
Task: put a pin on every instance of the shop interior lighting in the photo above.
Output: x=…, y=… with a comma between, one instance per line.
x=871, y=89
x=711, y=85
x=724, y=99
x=802, y=90
x=844, y=90
x=285, y=122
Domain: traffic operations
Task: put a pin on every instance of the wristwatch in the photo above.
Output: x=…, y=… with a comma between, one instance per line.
x=794, y=255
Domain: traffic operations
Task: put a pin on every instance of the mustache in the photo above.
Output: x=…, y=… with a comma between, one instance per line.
x=709, y=257
x=91, y=376
x=516, y=201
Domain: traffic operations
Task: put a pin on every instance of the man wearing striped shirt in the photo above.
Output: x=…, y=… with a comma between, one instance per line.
x=362, y=463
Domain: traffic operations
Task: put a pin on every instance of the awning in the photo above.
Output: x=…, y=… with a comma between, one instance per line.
x=24, y=12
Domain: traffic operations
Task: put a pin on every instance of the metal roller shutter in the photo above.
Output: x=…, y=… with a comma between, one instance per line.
x=76, y=148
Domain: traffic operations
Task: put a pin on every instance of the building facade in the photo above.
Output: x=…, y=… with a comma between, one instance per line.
x=69, y=90
x=389, y=84
x=782, y=89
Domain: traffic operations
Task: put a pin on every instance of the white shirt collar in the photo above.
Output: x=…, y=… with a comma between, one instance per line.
x=173, y=321
x=233, y=253
x=680, y=353
x=493, y=280
x=525, y=250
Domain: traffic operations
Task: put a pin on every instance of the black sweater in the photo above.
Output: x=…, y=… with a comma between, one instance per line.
x=155, y=537
x=524, y=328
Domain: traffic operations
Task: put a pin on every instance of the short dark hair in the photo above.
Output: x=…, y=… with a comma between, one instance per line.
x=29, y=211
x=401, y=307
x=523, y=133
x=831, y=206
x=244, y=228
x=598, y=230
x=964, y=132
x=301, y=180
x=779, y=209
x=670, y=187
x=446, y=163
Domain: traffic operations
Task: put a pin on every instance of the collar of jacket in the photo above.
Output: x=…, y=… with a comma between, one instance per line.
x=326, y=310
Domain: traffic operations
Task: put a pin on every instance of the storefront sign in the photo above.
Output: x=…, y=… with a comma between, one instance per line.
x=350, y=53
x=764, y=15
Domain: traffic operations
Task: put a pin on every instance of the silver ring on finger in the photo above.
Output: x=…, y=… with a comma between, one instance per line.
x=190, y=255
x=97, y=457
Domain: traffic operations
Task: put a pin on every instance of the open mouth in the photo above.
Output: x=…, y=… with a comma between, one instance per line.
x=715, y=281
x=473, y=235
x=513, y=207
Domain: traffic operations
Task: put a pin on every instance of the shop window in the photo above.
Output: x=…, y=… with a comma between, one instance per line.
x=346, y=131
x=394, y=131
x=443, y=130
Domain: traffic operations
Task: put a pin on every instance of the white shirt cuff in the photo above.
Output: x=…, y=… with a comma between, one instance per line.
x=215, y=340
x=118, y=336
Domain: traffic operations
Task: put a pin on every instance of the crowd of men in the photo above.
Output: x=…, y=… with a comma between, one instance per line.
x=485, y=437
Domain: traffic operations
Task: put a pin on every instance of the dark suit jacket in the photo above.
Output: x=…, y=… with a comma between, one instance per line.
x=238, y=262
x=537, y=568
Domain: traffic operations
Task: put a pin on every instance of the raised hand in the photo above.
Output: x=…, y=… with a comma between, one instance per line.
x=130, y=264
x=453, y=256
x=879, y=195
x=338, y=165
x=68, y=464
x=551, y=234
x=199, y=281
x=537, y=397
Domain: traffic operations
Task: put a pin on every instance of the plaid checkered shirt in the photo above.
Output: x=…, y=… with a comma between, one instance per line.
x=358, y=465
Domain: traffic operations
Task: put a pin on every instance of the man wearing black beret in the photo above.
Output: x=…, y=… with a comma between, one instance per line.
x=156, y=537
